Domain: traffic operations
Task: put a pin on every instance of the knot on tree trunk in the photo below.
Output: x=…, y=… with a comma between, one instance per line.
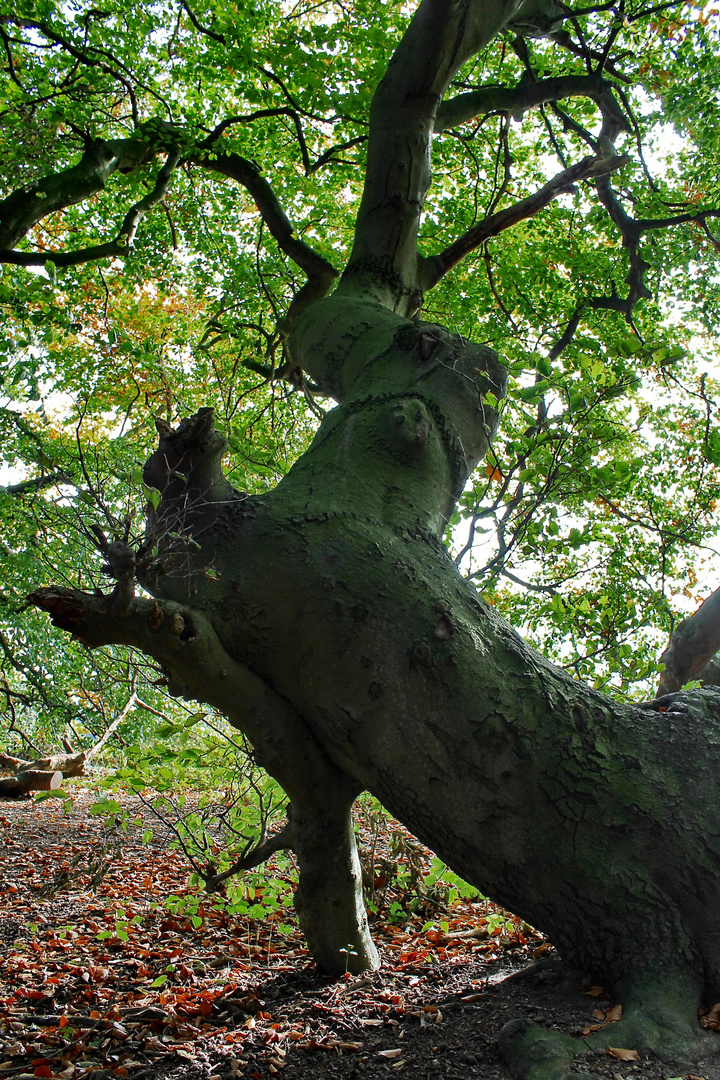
x=188, y=461
x=465, y=381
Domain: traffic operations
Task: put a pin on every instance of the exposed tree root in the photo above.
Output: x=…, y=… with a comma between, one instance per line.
x=660, y=1017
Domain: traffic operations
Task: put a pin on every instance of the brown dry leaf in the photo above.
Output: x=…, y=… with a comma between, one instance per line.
x=711, y=1018
x=592, y=1027
x=598, y=1014
x=594, y=991
x=621, y=1054
x=153, y=1043
x=472, y=997
x=295, y=1035
x=390, y=1053
x=541, y=950
x=613, y=1014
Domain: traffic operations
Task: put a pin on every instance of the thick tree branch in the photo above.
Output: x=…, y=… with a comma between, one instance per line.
x=692, y=645
x=198, y=668
x=321, y=273
x=27, y=206
x=442, y=35
x=631, y=233
x=125, y=237
x=37, y=483
x=436, y=266
x=518, y=99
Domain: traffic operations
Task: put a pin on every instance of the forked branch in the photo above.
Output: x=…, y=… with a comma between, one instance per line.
x=441, y=37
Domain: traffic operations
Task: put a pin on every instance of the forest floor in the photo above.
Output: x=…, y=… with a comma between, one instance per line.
x=100, y=979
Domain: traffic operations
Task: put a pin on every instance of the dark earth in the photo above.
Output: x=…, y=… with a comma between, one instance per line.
x=76, y=999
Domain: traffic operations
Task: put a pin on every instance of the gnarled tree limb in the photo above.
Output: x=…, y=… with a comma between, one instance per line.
x=518, y=99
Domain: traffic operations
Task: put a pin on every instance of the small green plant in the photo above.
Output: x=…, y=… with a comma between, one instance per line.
x=396, y=914
x=123, y=925
x=349, y=951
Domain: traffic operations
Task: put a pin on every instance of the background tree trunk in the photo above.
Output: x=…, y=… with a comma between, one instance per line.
x=27, y=780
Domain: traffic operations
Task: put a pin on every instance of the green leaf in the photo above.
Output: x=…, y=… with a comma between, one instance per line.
x=152, y=495
x=105, y=806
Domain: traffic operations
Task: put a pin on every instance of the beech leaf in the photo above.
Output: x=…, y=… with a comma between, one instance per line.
x=622, y=1054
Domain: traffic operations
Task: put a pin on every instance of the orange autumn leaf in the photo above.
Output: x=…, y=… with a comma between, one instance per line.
x=592, y=1027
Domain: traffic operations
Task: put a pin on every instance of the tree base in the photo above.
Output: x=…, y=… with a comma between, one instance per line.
x=659, y=1017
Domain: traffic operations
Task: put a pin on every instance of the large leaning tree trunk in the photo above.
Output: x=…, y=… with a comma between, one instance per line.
x=328, y=623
